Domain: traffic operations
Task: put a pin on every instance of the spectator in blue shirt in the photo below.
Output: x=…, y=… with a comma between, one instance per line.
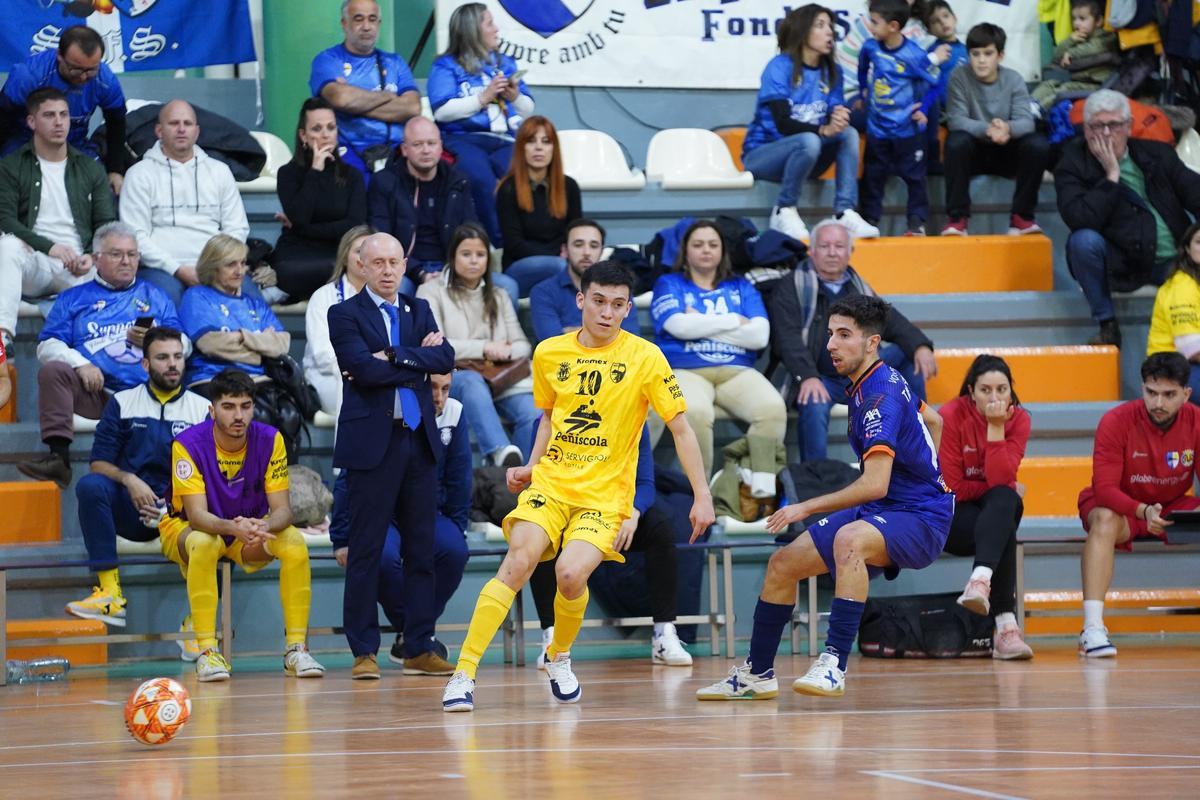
x=940, y=21
x=372, y=91
x=552, y=305
x=801, y=123
x=711, y=324
x=453, y=517
x=230, y=328
x=900, y=78
x=479, y=101
x=77, y=70
x=91, y=346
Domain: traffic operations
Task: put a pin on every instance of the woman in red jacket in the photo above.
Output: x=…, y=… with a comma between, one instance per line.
x=984, y=434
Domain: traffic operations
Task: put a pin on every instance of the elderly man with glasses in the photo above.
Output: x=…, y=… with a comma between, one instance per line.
x=1127, y=203
x=77, y=69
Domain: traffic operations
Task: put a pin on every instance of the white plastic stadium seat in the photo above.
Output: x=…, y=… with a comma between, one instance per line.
x=595, y=161
x=323, y=420
x=278, y=154
x=1189, y=149
x=693, y=158
x=83, y=424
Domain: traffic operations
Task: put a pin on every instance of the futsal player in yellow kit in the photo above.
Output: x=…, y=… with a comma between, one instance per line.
x=229, y=499
x=594, y=387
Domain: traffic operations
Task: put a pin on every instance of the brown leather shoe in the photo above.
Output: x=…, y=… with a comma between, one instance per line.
x=364, y=669
x=48, y=467
x=428, y=663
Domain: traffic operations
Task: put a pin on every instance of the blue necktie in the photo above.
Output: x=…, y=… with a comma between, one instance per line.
x=410, y=409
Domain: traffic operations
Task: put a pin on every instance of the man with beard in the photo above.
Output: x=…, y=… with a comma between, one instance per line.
x=896, y=516
x=1143, y=464
x=229, y=499
x=552, y=306
x=131, y=468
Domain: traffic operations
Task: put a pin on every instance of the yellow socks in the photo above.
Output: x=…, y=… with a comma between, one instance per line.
x=295, y=583
x=203, y=550
x=494, y=601
x=568, y=618
x=110, y=582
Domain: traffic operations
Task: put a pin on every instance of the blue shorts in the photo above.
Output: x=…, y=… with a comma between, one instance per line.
x=914, y=537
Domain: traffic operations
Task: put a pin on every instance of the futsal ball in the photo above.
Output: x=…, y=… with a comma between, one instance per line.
x=157, y=710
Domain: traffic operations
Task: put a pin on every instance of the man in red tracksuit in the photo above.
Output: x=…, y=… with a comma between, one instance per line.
x=1142, y=467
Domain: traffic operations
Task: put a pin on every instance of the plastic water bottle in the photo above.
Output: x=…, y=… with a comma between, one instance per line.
x=38, y=670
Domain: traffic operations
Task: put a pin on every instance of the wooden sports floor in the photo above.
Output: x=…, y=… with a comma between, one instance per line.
x=1053, y=727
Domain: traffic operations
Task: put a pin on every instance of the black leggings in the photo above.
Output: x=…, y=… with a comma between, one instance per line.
x=655, y=537
x=987, y=529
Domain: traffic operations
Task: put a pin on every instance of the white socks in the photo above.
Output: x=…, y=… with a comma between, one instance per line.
x=981, y=574
x=1006, y=620
x=1093, y=613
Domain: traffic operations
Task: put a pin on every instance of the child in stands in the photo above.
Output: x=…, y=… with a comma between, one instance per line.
x=940, y=21
x=1089, y=55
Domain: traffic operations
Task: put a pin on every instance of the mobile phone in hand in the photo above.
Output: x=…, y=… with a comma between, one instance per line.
x=518, y=75
x=144, y=322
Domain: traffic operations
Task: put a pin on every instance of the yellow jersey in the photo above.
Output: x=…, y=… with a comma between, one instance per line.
x=597, y=400
x=1176, y=314
x=186, y=477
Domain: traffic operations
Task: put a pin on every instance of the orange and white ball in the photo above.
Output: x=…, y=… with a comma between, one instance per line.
x=157, y=710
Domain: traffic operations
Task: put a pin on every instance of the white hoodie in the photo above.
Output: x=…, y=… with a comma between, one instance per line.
x=177, y=207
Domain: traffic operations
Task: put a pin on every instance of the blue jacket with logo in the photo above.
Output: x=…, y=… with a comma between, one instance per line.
x=205, y=309
x=448, y=80
x=899, y=82
x=379, y=71
x=94, y=319
x=135, y=432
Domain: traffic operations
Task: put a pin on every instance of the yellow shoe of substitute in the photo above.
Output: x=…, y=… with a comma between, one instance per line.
x=102, y=606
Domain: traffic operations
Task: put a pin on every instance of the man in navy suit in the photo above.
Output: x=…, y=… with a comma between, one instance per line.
x=387, y=345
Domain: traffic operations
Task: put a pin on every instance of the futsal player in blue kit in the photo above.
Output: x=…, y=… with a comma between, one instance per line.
x=896, y=516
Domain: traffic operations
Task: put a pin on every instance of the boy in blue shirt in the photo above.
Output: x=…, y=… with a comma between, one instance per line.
x=943, y=25
x=901, y=74
x=896, y=516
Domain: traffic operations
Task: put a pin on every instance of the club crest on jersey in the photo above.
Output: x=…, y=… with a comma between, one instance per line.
x=447, y=435
x=554, y=454
x=1188, y=458
x=617, y=372
x=1173, y=459
x=564, y=370
x=179, y=426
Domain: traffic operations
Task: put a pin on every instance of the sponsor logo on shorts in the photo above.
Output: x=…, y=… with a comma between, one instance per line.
x=881, y=520
x=597, y=518
x=183, y=469
x=536, y=500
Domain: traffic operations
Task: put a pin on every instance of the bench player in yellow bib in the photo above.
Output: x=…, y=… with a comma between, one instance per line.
x=594, y=387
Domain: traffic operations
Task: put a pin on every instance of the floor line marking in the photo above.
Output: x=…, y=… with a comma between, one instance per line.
x=765, y=775
x=1047, y=769
x=950, y=787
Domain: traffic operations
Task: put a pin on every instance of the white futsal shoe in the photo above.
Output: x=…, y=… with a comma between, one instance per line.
x=823, y=678
x=742, y=684
x=1094, y=643
x=459, y=694
x=666, y=648
x=299, y=663
x=563, y=683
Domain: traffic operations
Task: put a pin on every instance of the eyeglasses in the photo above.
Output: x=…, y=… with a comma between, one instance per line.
x=121, y=255
x=81, y=72
x=1110, y=127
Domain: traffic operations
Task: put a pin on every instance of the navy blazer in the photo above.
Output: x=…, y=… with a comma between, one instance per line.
x=356, y=330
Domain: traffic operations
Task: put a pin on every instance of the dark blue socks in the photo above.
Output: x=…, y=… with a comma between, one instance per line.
x=769, y=622
x=844, y=617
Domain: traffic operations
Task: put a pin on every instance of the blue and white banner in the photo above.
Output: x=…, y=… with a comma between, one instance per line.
x=138, y=34
x=712, y=44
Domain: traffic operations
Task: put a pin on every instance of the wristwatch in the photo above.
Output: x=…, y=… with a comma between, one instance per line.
x=390, y=352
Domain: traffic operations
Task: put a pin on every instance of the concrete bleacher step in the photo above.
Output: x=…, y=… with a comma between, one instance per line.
x=77, y=654
x=1041, y=374
x=32, y=512
x=1060, y=613
x=1052, y=484
x=956, y=264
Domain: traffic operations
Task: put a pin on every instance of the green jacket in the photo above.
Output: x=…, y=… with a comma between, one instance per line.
x=21, y=196
x=756, y=454
x=1092, y=60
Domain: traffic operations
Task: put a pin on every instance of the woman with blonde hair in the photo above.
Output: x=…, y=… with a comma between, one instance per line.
x=229, y=328
x=320, y=363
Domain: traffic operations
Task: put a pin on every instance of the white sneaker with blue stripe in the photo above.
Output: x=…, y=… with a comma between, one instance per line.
x=823, y=678
x=742, y=684
x=1094, y=643
x=459, y=694
x=563, y=683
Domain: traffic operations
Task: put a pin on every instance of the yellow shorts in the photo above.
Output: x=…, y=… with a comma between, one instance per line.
x=171, y=528
x=565, y=523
